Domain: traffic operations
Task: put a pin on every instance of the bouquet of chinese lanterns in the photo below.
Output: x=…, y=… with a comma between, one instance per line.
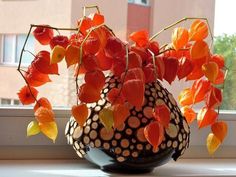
x=93, y=48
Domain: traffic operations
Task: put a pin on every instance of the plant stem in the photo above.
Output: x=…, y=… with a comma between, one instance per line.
x=163, y=46
x=182, y=20
x=90, y=7
x=55, y=28
x=30, y=53
x=19, y=65
x=155, y=69
x=81, y=57
x=23, y=50
x=223, y=87
x=126, y=71
x=154, y=63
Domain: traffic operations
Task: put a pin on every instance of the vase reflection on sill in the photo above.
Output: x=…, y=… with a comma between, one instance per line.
x=125, y=148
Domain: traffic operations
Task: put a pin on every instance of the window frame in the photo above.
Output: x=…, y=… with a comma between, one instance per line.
x=14, y=61
x=139, y=2
x=12, y=101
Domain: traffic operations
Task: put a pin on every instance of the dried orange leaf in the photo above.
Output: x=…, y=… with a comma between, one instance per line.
x=44, y=115
x=154, y=47
x=104, y=62
x=197, y=69
x=42, y=102
x=135, y=61
x=97, y=19
x=210, y=70
x=90, y=63
x=88, y=94
x=42, y=63
x=199, y=50
x=107, y=118
x=170, y=73
x=200, y=88
x=43, y=35
x=57, y=54
x=219, y=59
x=133, y=91
x=198, y=30
x=186, y=97
x=91, y=45
x=114, y=96
x=79, y=69
x=160, y=65
x=213, y=97
x=114, y=48
x=121, y=113
x=189, y=114
x=95, y=78
x=213, y=143
x=140, y=38
x=134, y=73
x=220, y=130
x=220, y=78
x=33, y=128
x=185, y=67
x=80, y=113
x=206, y=117
x=72, y=55
x=84, y=24
x=49, y=129
x=25, y=95
x=36, y=78
x=162, y=115
x=149, y=73
x=179, y=38
x=154, y=133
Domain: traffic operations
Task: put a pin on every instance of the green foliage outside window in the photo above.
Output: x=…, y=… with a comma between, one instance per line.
x=226, y=45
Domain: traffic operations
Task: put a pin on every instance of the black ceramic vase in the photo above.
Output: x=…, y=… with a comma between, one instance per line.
x=125, y=148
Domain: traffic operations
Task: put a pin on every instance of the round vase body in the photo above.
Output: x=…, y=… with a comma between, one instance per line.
x=126, y=148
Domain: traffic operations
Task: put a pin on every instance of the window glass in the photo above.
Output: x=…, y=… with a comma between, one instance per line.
x=27, y=57
x=61, y=91
x=8, y=48
x=144, y=1
x=16, y=102
x=225, y=44
x=5, y=101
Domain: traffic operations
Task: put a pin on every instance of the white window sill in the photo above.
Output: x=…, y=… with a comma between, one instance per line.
x=15, y=145
x=70, y=168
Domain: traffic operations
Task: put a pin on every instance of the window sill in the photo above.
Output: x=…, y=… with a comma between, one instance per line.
x=69, y=168
x=14, y=65
x=15, y=145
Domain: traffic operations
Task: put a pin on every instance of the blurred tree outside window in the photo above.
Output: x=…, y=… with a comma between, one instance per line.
x=226, y=45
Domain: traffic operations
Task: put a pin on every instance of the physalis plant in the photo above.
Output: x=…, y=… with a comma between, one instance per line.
x=94, y=48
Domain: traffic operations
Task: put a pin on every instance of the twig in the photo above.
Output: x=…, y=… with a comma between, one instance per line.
x=19, y=65
x=163, y=46
x=55, y=28
x=155, y=68
x=223, y=87
x=182, y=20
x=81, y=56
x=90, y=7
x=154, y=63
x=126, y=71
x=23, y=50
x=29, y=52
